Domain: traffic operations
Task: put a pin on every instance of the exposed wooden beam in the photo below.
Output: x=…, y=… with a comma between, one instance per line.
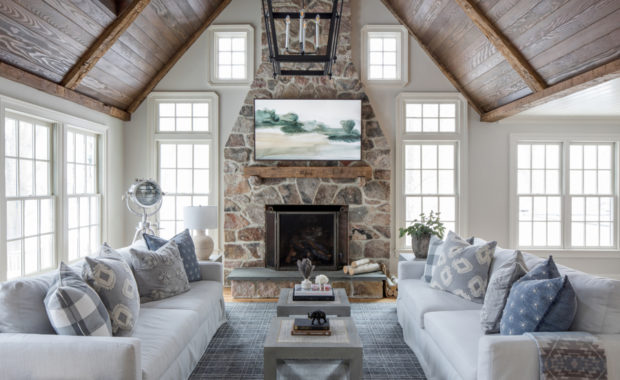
x=103, y=43
x=512, y=55
x=441, y=67
x=579, y=82
x=177, y=55
x=36, y=82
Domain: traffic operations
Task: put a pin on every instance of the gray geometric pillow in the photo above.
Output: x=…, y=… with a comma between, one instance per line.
x=74, y=308
x=497, y=293
x=464, y=271
x=159, y=274
x=113, y=280
x=186, y=249
x=437, y=247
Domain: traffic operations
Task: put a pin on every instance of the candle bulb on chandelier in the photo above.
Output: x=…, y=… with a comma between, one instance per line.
x=303, y=38
x=288, y=24
x=301, y=27
x=316, y=34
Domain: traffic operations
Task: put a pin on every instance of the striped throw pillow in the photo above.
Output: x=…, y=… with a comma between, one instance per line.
x=74, y=308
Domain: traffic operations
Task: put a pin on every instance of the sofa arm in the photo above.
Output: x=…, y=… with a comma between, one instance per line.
x=506, y=357
x=211, y=271
x=41, y=356
x=411, y=270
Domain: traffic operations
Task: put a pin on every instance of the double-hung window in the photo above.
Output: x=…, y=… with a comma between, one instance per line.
x=185, y=129
x=564, y=193
x=431, y=147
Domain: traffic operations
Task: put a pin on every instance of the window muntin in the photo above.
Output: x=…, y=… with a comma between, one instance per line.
x=83, y=198
x=184, y=173
x=430, y=117
x=430, y=182
x=591, y=193
x=30, y=211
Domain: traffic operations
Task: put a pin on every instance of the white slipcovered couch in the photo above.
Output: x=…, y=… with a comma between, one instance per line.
x=168, y=341
x=444, y=330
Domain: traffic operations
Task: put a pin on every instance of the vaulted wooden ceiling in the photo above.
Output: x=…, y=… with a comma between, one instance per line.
x=105, y=54
x=505, y=56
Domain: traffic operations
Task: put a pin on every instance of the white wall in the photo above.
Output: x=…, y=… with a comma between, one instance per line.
x=115, y=223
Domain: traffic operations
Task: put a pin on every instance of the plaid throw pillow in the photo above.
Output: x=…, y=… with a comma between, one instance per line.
x=436, y=247
x=74, y=308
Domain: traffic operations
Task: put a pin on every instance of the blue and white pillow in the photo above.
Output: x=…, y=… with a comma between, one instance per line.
x=74, y=308
x=437, y=247
x=186, y=249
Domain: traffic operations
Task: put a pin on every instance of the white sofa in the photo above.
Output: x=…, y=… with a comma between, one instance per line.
x=169, y=339
x=444, y=332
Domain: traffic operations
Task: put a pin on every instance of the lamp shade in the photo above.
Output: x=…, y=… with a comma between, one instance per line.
x=200, y=217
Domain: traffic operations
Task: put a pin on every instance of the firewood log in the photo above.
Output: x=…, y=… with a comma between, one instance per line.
x=366, y=268
x=358, y=263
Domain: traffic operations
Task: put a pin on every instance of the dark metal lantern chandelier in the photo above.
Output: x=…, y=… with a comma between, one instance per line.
x=319, y=56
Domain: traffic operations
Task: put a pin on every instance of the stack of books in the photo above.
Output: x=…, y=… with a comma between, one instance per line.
x=313, y=294
x=304, y=326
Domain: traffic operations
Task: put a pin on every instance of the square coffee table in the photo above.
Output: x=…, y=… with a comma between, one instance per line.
x=344, y=344
x=340, y=306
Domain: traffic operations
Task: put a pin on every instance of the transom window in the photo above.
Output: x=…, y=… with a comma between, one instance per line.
x=566, y=204
x=30, y=211
x=429, y=166
x=183, y=117
x=232, y=50
x=385, y=53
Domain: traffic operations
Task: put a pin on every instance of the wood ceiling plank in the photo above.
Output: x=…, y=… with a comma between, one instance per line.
x=21, y=62
x=103, y=43
x=76, y=15
x=580, y=82
x=15, y=74
x=176, y=18
x=174, y=36
x=107, y=92
x=94, y=10
x=441, y=67
x=127, y=74
x=436, y=10
x=501, y=43
x=177, y=55
x=504, y=81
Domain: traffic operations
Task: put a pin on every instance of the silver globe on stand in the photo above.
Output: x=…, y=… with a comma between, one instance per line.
x=144, y=199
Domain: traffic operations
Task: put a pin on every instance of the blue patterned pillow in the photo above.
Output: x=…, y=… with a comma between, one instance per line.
x=527, y=304
x=186, y=249
x=560, y=315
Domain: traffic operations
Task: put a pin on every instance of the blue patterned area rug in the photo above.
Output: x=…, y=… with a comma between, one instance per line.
x=236, y=350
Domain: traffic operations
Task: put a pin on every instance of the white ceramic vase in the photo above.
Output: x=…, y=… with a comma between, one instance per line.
x=306, y=284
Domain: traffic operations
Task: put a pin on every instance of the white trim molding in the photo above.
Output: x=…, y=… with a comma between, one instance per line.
x=402, y=53
x=245, y=31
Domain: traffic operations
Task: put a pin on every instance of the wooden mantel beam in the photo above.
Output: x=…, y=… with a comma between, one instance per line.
x=41, y=84
x=103, y=43
x=177, y=55
x=512, y=55
x=566, y=87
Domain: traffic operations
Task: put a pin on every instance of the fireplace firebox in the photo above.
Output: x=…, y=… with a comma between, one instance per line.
x=317, y=232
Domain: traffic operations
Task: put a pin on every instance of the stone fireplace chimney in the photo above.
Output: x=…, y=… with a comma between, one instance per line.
x=245, y=198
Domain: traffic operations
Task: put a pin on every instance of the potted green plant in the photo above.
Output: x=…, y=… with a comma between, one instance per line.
x=421, y=231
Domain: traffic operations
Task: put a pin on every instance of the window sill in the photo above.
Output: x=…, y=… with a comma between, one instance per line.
x=574, y=253
x=385, y=83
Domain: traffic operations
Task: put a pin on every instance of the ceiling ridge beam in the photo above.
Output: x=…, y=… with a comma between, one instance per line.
x=18, y=75
x=174, y=59
x=435, y=60
x=566, y=87
x=103, y=43
x=512, y=55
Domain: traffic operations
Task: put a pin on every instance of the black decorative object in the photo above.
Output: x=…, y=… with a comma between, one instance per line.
x=322, y=56
x=316, y=316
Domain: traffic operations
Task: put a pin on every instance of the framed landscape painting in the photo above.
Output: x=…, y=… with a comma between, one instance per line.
x=307, y=129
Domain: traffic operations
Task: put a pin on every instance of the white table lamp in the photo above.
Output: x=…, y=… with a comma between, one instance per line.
x=199, y=219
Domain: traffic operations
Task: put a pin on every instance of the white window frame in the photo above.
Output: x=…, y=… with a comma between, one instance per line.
x=564, y=141
x=459, y=138
x=212, y=34
x=211, y=137
x=61, y=121
x=402, y=53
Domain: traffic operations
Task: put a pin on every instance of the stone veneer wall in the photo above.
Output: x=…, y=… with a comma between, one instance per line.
x=245, y=198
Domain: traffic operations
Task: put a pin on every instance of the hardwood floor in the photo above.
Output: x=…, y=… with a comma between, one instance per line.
x=229, y=298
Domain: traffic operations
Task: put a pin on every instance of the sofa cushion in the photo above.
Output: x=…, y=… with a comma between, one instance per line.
x=422, y=299
x=113, y=280
x=437, y=247
x=74, y=308
x=456, y=333
x=164, y=334
x=21, y=305
x=186, y=249
x=159, y=274
x=464, y=271
x=497, y=293
x=201, y=298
